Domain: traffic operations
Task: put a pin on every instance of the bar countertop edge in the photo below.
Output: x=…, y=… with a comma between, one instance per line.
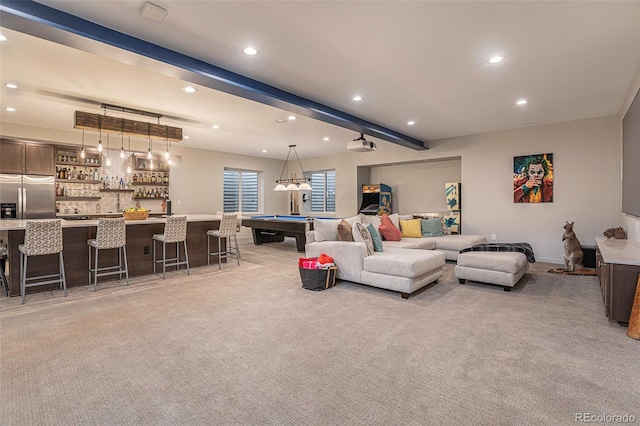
x=20, y=224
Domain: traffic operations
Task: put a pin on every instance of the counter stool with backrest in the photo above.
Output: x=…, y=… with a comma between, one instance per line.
x=228, y=228
x=111, y=234
x=41, y=237
x=175, y=231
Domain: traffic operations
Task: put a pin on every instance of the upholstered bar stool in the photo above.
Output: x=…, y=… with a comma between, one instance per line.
x=175, y=231
x=111, y=234
x=41, y=237
x=228, y=228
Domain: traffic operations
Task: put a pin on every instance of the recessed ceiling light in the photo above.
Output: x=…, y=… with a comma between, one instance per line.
x=215, y=126
x=250, y=51
x=2, y=38
x=292, y=117
x=522, y=102
x=185, y=137
x=264, y=150
x=357, y=98
x=281, y=120
x=411, y=123
x=496, y=59
x=189, y=89
x=10, y=109
x=11, y=86
x=325, y=138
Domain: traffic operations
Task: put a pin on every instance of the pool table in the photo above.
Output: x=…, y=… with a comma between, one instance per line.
x=273, y=228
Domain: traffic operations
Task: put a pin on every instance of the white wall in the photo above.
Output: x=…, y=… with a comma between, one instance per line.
x=586, y=189
x=630, y=223
x=418, y=187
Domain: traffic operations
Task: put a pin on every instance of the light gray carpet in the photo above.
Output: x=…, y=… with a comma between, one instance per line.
x=248, y=345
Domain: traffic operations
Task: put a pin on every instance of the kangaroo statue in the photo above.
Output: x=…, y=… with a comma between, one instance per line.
x=573, y=254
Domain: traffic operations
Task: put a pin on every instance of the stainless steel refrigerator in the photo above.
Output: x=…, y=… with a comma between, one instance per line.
x=27, y=197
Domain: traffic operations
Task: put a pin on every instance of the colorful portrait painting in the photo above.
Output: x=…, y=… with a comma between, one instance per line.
x=533, y=178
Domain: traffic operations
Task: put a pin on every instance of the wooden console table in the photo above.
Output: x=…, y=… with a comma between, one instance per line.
x=618, y=264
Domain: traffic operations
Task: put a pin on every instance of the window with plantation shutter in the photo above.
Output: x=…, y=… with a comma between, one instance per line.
x=323, y=191
x=240, y=191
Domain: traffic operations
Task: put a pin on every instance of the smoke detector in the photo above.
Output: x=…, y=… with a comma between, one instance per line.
x=153, y=12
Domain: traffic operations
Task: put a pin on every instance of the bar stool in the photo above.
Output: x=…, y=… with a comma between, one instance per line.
x=175, y=231
x=41, y=237
x=111, y=234
x=228, y=228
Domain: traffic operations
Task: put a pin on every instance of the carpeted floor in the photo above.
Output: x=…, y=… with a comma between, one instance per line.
x=248, y=346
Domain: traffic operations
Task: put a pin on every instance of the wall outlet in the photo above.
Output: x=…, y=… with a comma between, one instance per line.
x=146, y=249
x=493, y=237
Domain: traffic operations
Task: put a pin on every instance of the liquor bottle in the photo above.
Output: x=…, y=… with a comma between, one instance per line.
x=74, y=174
x=96, y=175
x=80, y=175
x=135, y=177
x=157, y=193
x=58, y=191
x=121, y=184
x=166, y=178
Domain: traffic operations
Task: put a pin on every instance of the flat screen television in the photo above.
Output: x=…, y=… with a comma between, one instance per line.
x=631, y=159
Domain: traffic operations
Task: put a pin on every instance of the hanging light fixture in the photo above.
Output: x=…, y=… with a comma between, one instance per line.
x=108, y=152
x=122, y=153
x=166, y=138
x=149, y=155
x=100, y=130
x=129, y=162
x=293, y=184
x=82, y=153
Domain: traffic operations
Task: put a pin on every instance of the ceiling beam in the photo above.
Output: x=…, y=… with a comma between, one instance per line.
x=21, y=16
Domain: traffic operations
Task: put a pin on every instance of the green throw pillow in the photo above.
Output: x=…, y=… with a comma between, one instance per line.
x=431, y=227
x=377, y=240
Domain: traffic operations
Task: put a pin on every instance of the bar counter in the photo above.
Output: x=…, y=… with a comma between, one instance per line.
x=75, y=234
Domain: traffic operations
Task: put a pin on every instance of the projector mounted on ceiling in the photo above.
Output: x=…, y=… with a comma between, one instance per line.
x=361, y=145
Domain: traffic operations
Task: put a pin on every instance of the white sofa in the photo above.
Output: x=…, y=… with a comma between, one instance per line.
x=450, y=245
x=398, y=269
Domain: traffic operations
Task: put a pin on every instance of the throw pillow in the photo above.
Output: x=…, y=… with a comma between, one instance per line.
x=370, y=219
x=326, y=229
x=431, y=227
x=361, y=234
x=388, y=230
x=344, y=231
x=352, y=220
x=411, y=228
x=375, y=236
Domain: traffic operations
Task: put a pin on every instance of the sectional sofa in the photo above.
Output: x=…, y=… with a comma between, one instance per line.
x=404, y=266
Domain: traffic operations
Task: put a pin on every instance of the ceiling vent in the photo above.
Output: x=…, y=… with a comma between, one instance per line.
x=153, y=13
x=361, y=145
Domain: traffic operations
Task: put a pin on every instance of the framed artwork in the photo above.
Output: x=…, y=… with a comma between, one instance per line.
x=452, y=222
x=452, y=194
x=533, y=178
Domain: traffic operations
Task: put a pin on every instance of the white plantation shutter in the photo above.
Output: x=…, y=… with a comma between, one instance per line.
x=240, y=190
x=323, y=194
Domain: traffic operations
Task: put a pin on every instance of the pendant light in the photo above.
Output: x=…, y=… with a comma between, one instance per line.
x=83, y=154
x=129, y=162
x=122, y=153
x=293, y=184
x=108, y=152
x=166, y=138
x=100, y=149
x=149, y=155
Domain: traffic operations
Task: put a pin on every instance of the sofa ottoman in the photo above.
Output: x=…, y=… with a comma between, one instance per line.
x=402, y=270
x=500, y=268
